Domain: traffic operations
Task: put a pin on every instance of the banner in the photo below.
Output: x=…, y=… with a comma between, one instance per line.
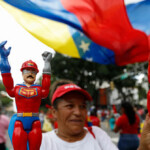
x=106, y=32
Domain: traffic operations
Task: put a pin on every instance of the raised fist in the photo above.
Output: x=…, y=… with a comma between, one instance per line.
x=47, y=57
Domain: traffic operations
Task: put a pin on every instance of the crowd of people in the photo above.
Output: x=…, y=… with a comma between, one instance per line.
x=127, y=123
x=68, y=125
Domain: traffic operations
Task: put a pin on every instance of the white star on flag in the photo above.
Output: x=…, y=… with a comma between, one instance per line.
x=84, y=46
x=81, y=34
x=89, y=59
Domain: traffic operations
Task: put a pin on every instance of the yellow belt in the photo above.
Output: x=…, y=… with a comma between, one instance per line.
x=27, y=114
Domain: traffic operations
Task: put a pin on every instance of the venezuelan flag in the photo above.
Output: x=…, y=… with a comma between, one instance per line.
x=99, y=31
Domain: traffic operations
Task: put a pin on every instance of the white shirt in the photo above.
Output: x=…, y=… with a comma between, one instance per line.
x=50, y=141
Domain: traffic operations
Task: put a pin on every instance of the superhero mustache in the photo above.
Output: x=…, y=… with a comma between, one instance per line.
x=30, y=76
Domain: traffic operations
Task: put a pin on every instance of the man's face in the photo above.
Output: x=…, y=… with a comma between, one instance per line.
x=71, y=113
x=29, y=75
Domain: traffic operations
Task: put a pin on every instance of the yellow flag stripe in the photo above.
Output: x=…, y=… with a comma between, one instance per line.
x=53, y=34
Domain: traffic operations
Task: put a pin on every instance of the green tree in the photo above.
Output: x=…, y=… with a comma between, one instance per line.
x=84, y=73
x=87, y=74
x=6, y=101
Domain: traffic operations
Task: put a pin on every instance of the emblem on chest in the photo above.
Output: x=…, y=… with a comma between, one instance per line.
x=28, y=93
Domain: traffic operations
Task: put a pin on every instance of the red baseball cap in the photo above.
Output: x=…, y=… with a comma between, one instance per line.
x=63, y=89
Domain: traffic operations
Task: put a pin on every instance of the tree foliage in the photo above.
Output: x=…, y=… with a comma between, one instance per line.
x=89, y=75
x=6, y=101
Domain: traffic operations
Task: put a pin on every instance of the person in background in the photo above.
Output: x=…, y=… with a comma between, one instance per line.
x=93, y=117
x=49, y=120
x=127, y=124
x=112, y=122
x=99, y=113
x=47, y=126
x=69, y=108
x=4, y=123
x=41, y=117
x=103, y=115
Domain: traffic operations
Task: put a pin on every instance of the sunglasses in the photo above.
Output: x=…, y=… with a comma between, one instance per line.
x=29, y=71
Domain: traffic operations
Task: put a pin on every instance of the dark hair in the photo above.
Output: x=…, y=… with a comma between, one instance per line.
x=53, y=88
x=55, y=103
x=129, y=111
x=93, y=112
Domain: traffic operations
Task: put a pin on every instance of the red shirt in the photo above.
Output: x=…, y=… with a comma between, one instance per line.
x=125, y=126
x=95, y=121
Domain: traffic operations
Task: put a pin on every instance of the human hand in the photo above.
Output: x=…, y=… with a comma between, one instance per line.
x=47, y=57
x=145, y=135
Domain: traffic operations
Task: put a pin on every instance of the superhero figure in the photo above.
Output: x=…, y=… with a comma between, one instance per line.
x=25, y=128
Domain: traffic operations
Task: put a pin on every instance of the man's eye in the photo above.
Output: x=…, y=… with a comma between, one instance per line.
x=83, y=106
x=69, y=106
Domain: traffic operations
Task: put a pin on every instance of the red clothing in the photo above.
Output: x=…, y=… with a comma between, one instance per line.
x=55, y=125
x=28, y=99
x=95, y=121
x=123, y=123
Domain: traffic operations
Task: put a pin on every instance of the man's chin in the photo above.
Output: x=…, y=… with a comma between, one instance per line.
x=77, y=129
x=77, y=132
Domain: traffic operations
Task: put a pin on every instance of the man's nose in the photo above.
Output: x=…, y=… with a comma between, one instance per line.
x=29, y=73
x=77, y=110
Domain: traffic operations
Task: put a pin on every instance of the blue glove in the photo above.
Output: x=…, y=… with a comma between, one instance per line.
x=4, y=64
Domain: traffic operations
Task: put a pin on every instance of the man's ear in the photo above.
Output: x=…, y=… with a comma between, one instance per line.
x=54, y=112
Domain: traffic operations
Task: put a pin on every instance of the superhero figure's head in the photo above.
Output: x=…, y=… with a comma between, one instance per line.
x=29, y=65
x=29, y=70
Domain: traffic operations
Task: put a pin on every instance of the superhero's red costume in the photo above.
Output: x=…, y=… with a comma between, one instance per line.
x=28, y=100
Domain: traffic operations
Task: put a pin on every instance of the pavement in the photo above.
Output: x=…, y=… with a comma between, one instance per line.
x=8, y=143
x=114, y=136
x=104, y=125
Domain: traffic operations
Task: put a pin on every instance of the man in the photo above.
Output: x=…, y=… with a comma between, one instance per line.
x=25, y=126
x=69, y=109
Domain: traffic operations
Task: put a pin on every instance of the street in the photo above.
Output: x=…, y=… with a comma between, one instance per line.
x=8, y=143
x=114, y=136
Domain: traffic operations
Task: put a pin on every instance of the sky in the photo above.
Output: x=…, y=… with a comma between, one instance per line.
x=23, y=45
